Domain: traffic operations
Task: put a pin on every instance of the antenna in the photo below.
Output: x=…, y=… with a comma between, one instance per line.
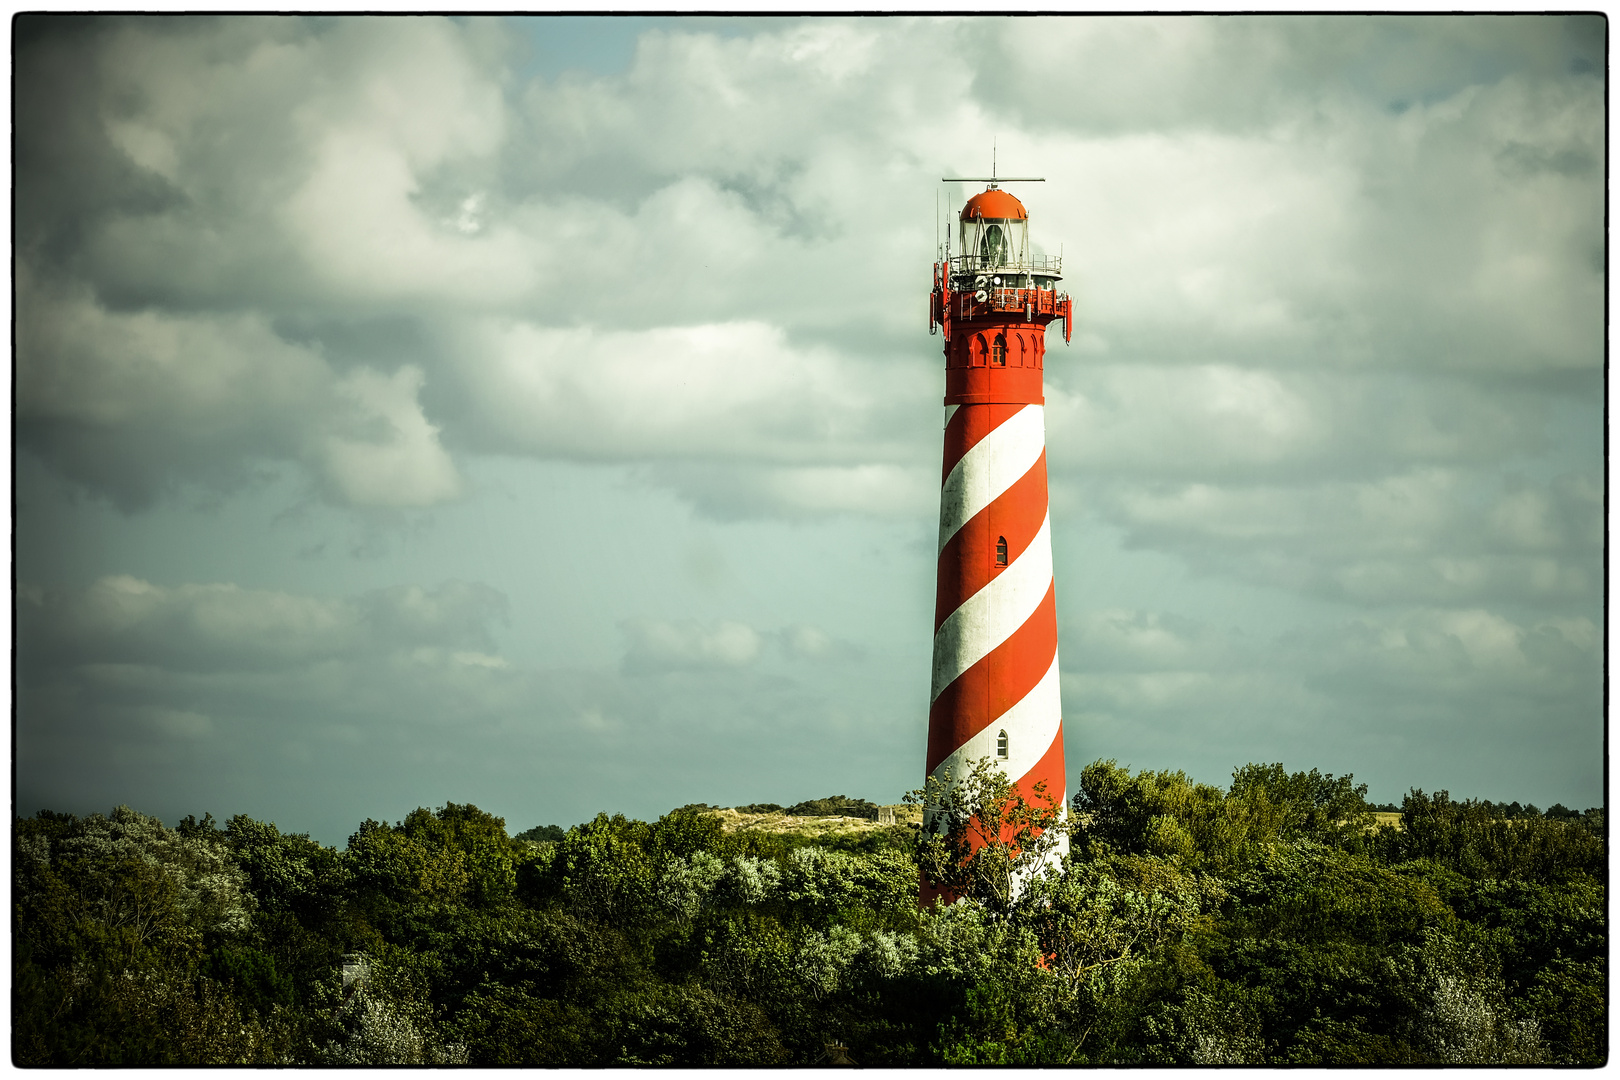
x=993, y=180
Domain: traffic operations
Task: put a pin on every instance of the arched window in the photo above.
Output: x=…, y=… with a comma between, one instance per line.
x=998, y=352
x=978, y=350
x=1001, y=551
x=1001, y=745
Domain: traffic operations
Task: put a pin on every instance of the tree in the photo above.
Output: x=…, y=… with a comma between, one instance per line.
x=1152, y=813
x=982, y=838
x=1302, y=806
x=1168, y=814
x=488, y=856
x=1469, y=838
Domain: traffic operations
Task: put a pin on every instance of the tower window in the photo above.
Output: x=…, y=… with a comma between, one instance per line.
x=998, y=352
x=1001, y=746
x=1001, y=551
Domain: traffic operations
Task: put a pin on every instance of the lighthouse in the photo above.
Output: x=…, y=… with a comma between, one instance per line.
x=995, y=687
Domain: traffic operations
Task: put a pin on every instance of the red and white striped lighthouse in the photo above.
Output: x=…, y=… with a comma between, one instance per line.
x=995, y=689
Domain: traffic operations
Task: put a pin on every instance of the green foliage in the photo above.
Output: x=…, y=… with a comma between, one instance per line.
x=1162, y=814
x=1097, y=919
x=1167, y=814
x=287, y=873
x=992, y=1029
x=251, y=977
x=1567, y=1000
x=834, y=806
x=1264, y=924
x=683, y=833
x=982, y=839
x=114, y=915
x=1472, y=840
x=1277, y=806
x=1309, y=892
x=488, y=857
x=602, y=870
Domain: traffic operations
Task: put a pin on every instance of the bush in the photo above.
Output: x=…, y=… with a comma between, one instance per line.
x=834, y=806
x=1469, y=838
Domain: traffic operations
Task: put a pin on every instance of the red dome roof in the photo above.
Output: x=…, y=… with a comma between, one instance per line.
x=993, y=204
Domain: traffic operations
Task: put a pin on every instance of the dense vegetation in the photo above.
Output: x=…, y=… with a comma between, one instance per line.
x=1267, y=923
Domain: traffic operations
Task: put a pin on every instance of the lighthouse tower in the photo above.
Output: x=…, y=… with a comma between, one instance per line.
x=995, y=687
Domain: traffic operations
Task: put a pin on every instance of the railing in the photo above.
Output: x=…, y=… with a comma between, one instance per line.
x=1029, y=264
x=946, y=305
x=1032, y=301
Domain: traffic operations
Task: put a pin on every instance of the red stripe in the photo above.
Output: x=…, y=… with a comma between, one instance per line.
x=967, y=563
x=968, y=425
x=995, y=684
x=1050, y=769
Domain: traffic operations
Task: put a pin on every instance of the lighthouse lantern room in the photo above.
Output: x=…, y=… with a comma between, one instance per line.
x=995, y=692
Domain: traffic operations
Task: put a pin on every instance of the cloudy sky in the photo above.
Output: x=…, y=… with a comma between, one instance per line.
x=541, y=413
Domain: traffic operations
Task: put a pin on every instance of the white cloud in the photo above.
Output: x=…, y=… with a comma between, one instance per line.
x=657, y=645
x=1119, y=639
x=407, y=466
x=1464, y=653
x=731, y=389
x=1435, y=535
x=131, y=402
x=732, y=415
x=223, y=627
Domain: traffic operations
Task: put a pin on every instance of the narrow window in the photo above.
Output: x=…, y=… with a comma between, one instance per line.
x=1001, y=551
x=1001, y=746
x=998, y=352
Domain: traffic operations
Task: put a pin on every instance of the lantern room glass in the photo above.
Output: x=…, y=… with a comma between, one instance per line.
x=993, y=243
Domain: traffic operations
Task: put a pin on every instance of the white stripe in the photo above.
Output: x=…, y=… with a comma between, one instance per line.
x=950, y=411
x=994, y=464
x=991, y=615
x=1031, y=725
